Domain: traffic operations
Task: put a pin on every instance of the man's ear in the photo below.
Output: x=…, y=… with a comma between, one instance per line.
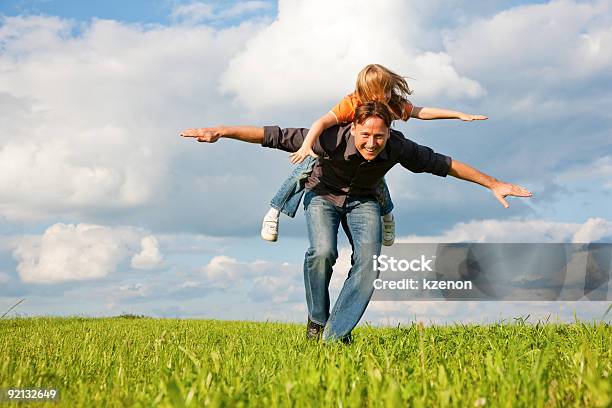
x=353, y=129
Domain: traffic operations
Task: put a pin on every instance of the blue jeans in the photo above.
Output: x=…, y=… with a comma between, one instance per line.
x=287, y=198
x=360, y=219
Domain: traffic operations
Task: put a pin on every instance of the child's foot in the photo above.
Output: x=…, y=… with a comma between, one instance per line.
x=269, y=228
x=388, y=230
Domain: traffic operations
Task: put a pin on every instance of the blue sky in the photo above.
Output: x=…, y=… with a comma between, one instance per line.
x=138, y=11
x=104, y=209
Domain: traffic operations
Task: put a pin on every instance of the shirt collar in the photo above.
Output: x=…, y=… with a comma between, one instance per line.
x=383, y=154
x=350, y=152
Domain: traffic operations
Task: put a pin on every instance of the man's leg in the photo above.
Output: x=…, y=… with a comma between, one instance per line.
x=322, y=219
x=363, y=228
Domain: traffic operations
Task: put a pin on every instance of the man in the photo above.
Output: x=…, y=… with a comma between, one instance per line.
x=352, y=159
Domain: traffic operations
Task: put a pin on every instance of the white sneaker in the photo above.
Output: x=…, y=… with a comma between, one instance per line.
x=269, y=229
x=388, y=232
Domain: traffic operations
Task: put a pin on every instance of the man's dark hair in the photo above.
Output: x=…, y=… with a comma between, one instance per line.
x=372, y=108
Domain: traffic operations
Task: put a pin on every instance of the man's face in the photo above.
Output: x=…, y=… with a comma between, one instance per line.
x=370, y=137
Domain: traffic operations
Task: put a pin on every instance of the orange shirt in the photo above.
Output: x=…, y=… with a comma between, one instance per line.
x=345, y=110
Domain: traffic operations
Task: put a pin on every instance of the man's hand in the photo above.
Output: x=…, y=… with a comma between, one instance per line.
x=466, y=117
x=206, y=135
x=501, y=190
x=250, y=134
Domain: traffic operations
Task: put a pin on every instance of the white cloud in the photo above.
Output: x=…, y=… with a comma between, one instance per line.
x=283, y=288
x=394, y=313
x=540, y=63
x=309, y=57
x=519, y=231
x=197, y=12
x=341, y=268
x=6, y=243
x=592, y=230
x=92, y=120
x=598, y=171
x=149, y=257
x=89, y=120
x=68, y=252
x=193, y=12
x=53, y=172
x=244, y=7
x=4, y=278
x=553, y=42
x=78, y=252
x=223, y=271
x=135, y=290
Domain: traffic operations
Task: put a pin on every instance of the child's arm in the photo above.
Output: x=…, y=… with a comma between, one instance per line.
x=427, y=113
x=324, y=122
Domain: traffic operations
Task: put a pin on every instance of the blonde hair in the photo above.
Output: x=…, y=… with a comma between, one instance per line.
x=375, y=81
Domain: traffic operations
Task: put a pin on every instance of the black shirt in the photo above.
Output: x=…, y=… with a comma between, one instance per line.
x=341, y=171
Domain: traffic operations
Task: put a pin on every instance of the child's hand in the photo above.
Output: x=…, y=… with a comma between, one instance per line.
x=301, y=154
x=468, y=118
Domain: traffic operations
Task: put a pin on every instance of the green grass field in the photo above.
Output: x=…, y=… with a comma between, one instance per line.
x=160, y=362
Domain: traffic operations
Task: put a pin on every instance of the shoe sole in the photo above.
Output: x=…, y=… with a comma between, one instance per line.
x=392, y=240
x=269, y=238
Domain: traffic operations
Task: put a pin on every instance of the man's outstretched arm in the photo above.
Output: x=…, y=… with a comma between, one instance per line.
x=249, y=134
x=499, y=189
x=288, y=139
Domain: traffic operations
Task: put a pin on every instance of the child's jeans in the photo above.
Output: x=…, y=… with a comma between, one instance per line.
x=287, y=199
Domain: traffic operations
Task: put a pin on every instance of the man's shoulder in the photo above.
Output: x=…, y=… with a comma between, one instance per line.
x=398, y=145
x=335, y=136
x=396, y=133
x=395, y=136
x=340, y=128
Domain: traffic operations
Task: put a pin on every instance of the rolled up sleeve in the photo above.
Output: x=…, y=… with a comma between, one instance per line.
x=289, y=139
x=422, y=159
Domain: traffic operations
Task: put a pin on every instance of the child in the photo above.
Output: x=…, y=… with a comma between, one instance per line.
x=374, y=82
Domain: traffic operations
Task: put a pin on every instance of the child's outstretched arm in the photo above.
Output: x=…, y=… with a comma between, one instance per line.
x=427, y=113
x=326, y=121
